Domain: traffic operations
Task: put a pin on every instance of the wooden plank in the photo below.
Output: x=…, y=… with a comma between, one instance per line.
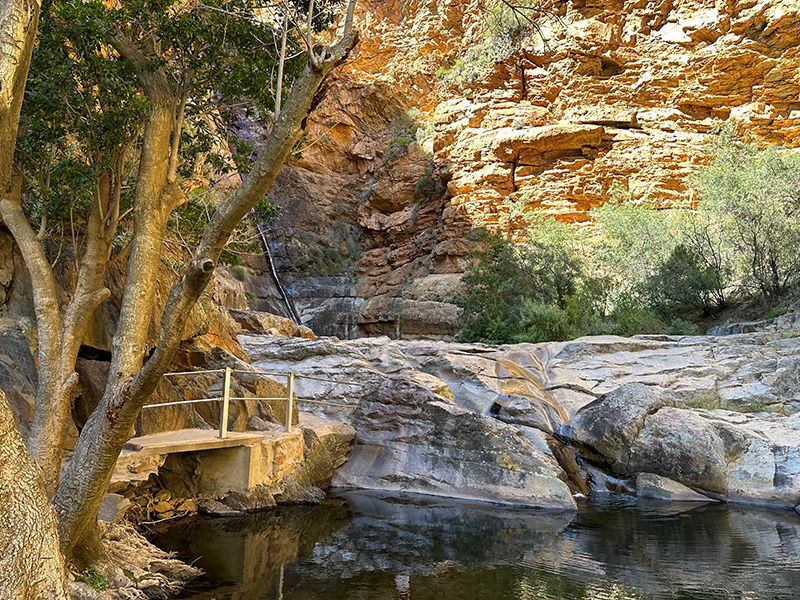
x=190, y=440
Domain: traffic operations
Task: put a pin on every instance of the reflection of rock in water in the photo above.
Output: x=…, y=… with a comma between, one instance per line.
x=424, y=535
x=659, y=548
x=242, y=556
x=396, y=547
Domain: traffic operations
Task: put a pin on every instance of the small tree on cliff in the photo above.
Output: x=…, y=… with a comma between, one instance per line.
x=135, y=40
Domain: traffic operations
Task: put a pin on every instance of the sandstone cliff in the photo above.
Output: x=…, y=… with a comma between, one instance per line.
x=430, y=131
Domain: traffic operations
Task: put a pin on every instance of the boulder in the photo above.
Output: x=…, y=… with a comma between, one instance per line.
x=610, y=424
x=681, y=445
x=736, y=457
x=410, y=440
x=765, y=457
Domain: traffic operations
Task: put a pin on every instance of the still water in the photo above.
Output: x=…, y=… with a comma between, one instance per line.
x=368, y=546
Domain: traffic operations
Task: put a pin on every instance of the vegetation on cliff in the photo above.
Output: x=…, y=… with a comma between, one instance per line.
x=645, y=268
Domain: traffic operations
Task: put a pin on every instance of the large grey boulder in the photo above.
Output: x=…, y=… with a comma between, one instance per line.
x=611, y=424
x=736, y=457
x=681, y=445
x=411, y=440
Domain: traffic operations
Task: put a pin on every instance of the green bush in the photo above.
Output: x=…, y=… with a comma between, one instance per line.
x=493, y=297
x=531, y=292
x=681, y=327
x=629, y=317
x=751, y=196
x=682, y=284
x=540, y=322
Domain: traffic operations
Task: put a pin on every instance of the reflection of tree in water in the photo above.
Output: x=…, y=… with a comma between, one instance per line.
x=402, y=547
x=243, y=557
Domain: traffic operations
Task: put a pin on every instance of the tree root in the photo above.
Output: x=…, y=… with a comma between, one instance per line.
x=131, y=568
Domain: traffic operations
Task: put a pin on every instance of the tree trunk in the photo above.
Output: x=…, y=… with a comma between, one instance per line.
x=60, y=339
x=31, y=566
x=111, y=425
x=18, y=23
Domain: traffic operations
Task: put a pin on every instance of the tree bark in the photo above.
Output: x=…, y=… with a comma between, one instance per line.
x=18, y=23
x=111, y=425
x=31, y=566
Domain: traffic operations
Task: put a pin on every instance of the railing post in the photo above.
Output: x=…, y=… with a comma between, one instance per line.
x=226, y=398
x=289, y=400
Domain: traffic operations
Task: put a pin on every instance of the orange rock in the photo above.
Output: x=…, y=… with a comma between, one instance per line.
x=624, y=93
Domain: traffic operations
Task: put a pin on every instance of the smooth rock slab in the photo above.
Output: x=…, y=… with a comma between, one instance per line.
x=655, y=487
x=410, y=440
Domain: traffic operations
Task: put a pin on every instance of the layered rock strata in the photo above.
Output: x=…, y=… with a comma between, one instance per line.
x=612, y=96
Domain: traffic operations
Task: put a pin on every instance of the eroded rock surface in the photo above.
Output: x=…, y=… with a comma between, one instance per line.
x=437, y=417
x=622, y=96
x=411, y=440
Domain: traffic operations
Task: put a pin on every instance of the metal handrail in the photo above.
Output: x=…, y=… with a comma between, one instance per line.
x=226, y=394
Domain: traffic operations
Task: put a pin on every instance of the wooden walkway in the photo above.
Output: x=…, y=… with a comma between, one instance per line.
x=190, y=440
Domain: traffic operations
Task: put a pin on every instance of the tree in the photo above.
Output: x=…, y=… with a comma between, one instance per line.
x=751, y=196
x=30, y=563
x=134, y=41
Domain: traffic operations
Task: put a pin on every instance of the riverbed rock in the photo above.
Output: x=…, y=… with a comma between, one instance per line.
x=410, y=440
x=655, y=487
x=611, y=424
x=647, y=404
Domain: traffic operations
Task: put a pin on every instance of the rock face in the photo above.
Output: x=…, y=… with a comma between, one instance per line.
x=411, y=440
x=621, y=95
x=602, y=414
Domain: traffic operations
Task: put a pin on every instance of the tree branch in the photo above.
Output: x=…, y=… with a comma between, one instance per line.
x=48, y=319
x=110, y=425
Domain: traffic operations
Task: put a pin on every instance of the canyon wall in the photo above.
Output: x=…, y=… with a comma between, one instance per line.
x=432, y=129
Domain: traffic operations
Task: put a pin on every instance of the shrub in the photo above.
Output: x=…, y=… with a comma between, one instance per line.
x=753, y=195
x=630, y=317
x=492, y=297
x=682, y=284
x=523, y=293
x=681, y=327
x=540, y=322
x=635, y=239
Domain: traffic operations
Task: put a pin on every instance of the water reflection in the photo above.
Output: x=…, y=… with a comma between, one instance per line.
x=369, y=546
